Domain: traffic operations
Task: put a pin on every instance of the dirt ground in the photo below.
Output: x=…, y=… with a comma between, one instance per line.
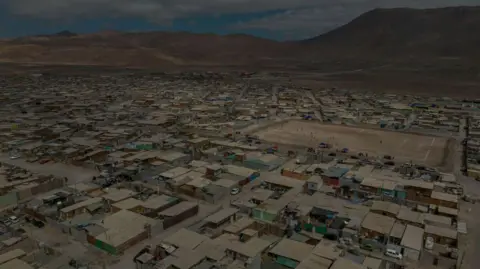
x=428, y=150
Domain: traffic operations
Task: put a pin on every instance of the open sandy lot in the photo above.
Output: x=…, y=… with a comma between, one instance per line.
x=428, y=150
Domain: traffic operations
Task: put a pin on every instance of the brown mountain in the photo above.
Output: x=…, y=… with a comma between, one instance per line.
x=379, y=34
x=444, y=32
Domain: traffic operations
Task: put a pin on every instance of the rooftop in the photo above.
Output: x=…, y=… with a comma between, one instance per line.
x=292, y=249
x=378, y=223
x=184, y=238
x=413, y=238
x=178, y=208
x=221, y=215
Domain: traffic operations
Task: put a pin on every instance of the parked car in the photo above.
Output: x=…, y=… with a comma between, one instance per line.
x=331, y=236
x=32, y=160
x=13, y=219
x=235, y=191
x=367, y=247
x=43, y=161
x=38, y=223
x=393, y=254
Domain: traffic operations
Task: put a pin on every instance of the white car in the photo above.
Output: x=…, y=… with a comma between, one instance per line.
x=235, y=191
x=13, y=219
x=393, y=253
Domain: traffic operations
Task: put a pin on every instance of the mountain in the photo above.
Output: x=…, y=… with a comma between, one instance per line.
x=378, y=35
x=401, y=32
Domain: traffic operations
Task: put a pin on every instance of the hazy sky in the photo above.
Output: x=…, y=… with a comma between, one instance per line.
x=279, y=19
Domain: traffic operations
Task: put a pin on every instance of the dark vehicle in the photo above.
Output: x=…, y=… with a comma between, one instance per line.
x=354, y=251
x=333, y=154
x=331, y=236
x=38, y=223
x=390, y=163
x=367, y=247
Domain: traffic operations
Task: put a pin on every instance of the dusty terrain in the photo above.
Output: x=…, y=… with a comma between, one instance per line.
x=420, y=149
x=430, y=51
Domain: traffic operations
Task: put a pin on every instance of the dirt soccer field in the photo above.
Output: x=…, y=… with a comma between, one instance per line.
x=428, y=150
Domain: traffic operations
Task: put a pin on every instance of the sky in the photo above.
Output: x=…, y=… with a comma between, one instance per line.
x=275, y=19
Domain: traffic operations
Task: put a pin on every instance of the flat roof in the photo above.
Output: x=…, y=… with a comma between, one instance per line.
x=444, y=196
x=342, y=263
x=441, y=231
x=406, y=214
x=17, y=264
x=187, y=258
x=117, y=195
x=413, y=237
x=419, y=184
x=239, y=225
x=119, y=235
x=125, y=219
x=81, y=204
x=12, y=254
x=221, y=215
x=157, y=201
x=184, y=238
x=386, y=207
x=175, y=172
x=128, y=203
x=292, y=249
x=239, y=170
x=448, y=211
x=170, y=156
x=223, y=182
x=314, y=262
x=326, y=250
x=378, y=223
x=398, y=230
x=274, y=178
x=438, y=219
x=213, y=249
x=178, y=208
x=250, y=248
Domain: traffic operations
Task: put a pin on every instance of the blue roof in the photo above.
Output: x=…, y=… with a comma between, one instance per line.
x=336, y=172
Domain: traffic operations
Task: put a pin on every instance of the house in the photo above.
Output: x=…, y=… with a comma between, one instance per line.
x=444, y=199
x=226, y=215
x=184, y=238
x=249, y=251
x=407, y=216
x=117, y=195
x=290, y=253
x=122, y=230
x=157, y=203
x=78, y=208
x=396, y=234
x=385, y=208
x=412, y=242
x=418, y=190
x=238, y=226
x=376, y=226
x=332, y=176
x=343, y=263
x=247, y=174
x=442, y=235
x=178, y=213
